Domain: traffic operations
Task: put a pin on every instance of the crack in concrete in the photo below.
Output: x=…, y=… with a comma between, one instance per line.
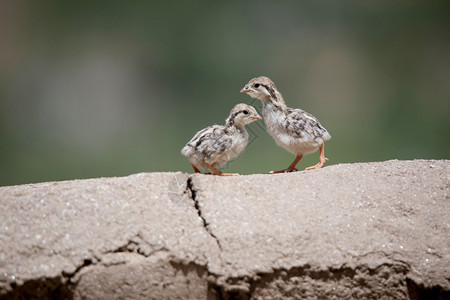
x=193, y=195
x=360, y=276
x=137, y=244
x=58, y=287
x=63, y=286
x=244, y=287
x=40, y=288
x=86, y=262
x=213, y=288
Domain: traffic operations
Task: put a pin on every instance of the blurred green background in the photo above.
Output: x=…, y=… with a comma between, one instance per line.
x=111, y=88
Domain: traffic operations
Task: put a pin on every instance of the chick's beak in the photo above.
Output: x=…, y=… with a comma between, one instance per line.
x=257, y=118
x=245, y=89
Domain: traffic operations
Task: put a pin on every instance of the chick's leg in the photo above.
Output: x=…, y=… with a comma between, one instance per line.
x=322, y=160
x=196, y=170
x=291, y=166
x=218, y=172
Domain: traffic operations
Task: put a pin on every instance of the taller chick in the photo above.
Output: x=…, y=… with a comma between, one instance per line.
x=215, y=145
x=293, y=129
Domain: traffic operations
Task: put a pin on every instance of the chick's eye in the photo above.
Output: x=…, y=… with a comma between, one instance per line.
x=256, y=85
x=245, y=112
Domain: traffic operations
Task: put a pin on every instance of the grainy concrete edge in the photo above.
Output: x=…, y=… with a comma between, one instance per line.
x=200, y=275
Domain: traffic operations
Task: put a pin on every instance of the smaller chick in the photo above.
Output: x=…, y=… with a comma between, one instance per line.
x=215, y=145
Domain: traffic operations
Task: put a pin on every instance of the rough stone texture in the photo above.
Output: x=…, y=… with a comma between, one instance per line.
x=367, y=231
x=111, y=237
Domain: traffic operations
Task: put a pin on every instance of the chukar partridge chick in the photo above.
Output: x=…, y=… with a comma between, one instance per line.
x=293, y=129
x=215, y=145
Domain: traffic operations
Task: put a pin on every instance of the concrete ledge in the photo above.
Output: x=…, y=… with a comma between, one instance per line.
x=366, y=230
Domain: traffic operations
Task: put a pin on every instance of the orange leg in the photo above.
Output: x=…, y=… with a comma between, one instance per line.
x=291, y=166
x=218, y=172
x=196, y=170
x=322, y=160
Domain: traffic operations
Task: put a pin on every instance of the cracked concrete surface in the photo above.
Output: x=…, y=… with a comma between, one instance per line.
x=58, y=235
x=367, y=230
x=193, y=196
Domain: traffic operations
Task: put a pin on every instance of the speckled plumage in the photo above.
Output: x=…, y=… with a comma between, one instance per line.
x=295, y=130
x=218, y=144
